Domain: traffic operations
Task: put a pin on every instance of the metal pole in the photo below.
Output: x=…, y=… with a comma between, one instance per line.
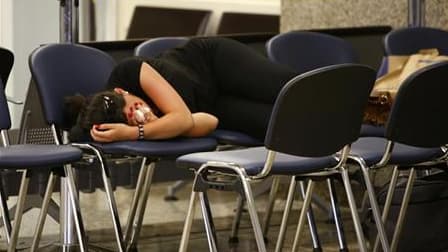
x=416, y=13
x=67, y=34
x=69, y=19
x=66, y=222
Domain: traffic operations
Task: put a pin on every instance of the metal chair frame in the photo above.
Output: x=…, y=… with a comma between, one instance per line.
x=268, y=160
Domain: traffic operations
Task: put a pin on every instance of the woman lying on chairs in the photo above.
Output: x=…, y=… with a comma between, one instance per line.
x=183, y=92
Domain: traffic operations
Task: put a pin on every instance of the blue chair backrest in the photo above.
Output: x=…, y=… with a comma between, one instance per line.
x=406, y=41
x=153, y=47
x=319, y=112
x=6, y=63
x=418, y=115
x=5, y=118
x=61, y=70
x=305, y=51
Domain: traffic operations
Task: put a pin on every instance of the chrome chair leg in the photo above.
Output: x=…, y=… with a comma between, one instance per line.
x=236, y=220
x=354, y=210
x=337, y=215
x=106, y=174
x=270, y=206
x=208, y=222
x=284, y=223
x=311, y=221
x=305, y=206
x=403, y=209
x=375, y=208
x=188, y=222
x=135, y=199
x=19, y=210
x=172, y=189
x=43, y=212
x=388, y=202
x=5, y=213
x=112, y=206
x=79, y=226
x=141, y=207
x=253, y=213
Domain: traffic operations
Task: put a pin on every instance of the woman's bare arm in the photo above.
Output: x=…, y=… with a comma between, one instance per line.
x=176, y=120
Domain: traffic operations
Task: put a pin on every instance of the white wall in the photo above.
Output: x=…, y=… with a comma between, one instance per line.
x=119, y=15
x=24, y=25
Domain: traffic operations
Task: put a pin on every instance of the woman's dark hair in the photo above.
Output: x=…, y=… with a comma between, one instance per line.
x=81, y=112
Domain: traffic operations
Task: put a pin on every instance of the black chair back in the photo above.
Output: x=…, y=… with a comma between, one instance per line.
x=305, y=51
x=418, y=116
x=6, y=63
x=156, y=46
x=319, y=112
x=410, y=40
x=61, y=70
x=5, y=118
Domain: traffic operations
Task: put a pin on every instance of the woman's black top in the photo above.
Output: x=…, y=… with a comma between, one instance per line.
x=215, y=75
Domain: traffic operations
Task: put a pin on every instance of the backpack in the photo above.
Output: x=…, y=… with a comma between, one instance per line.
x=425, y=227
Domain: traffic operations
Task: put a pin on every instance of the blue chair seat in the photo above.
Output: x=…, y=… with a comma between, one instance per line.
x=253, y=161
x=371, y=149
x=163, y=148
x=35, y=156
x=235, y=138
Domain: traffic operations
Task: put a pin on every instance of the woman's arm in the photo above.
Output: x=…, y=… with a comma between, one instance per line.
x=176, y=120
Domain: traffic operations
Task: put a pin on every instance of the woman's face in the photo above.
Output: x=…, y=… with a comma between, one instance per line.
x=136, y=110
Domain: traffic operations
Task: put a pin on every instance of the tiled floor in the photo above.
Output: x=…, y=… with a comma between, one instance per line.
x=163, y=222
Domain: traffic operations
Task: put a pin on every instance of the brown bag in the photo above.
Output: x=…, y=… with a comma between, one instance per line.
x=386, y=87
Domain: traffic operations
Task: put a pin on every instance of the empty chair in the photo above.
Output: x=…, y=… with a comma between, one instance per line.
x=410, y=40
x=87, y=72
x=301, y=140
x=415, y=136
x=55, y=159
x=304, y=51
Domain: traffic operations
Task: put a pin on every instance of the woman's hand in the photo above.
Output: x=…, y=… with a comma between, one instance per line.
x=109, y=132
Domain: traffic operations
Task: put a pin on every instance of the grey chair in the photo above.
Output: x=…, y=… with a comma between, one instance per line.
x=415, y=138
x=304, y=51
x=55, y=160
x=409, y=40
x=313, y=119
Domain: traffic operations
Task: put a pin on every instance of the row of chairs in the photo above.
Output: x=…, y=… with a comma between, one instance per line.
x=87, y=79
x=295, y=43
